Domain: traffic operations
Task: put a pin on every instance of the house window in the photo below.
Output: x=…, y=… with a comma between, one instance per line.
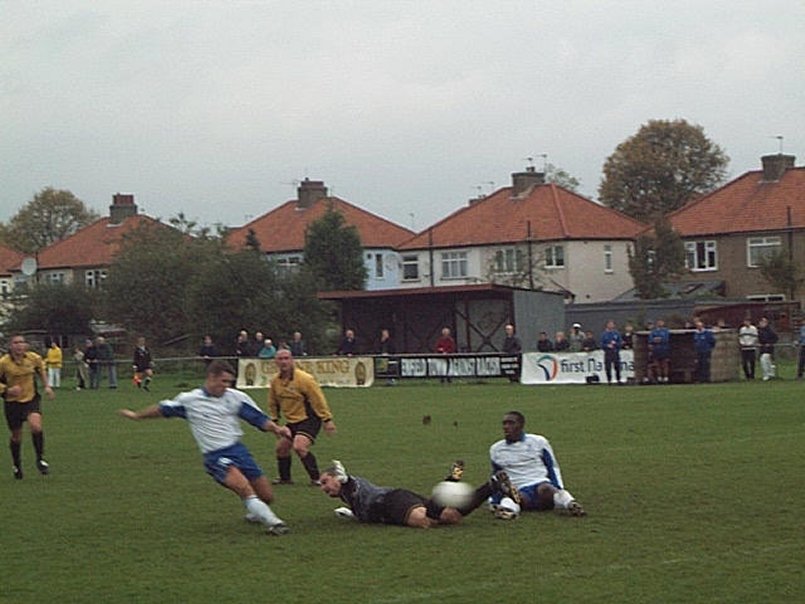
x=5, y=288
x=289, y=264
x=607, y=258
x=509, y=260
x=55, y=278
x=379, y=266
x=410, y=267
x=701, y=255
x=758, y=248
x=454, y=265
x=554, y=256
x=94, y=279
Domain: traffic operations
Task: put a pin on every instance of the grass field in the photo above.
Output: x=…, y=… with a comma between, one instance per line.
x=694, y=494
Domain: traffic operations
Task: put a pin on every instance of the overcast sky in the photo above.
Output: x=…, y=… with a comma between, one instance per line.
x=405, y=108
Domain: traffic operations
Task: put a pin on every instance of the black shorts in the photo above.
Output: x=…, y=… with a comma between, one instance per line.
x=309, y=427
x=17, y=413
x=398, y=504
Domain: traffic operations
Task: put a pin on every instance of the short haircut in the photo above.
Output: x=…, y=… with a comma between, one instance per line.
x=219, y=366
x=520, y=417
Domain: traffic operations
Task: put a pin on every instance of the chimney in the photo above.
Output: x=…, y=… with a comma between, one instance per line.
x=122, y=207
x=522, y=182
x=774, y=166
x=309, y=192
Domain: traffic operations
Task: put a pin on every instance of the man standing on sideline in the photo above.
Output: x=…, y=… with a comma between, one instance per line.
x=530, y=464
x=703, y=343
x=446, y=345
x=106, y=358
x=348, y=345
x=512, y=345
x=54, y=359
x=214, y=412
x=767, y=338
x=297, y=396
x=143, y=365
x=18, y=371
x=659, y=346
x=748, y=341
x=611, y=345
x=297, y=346
x=94, y=366
x=575, y=338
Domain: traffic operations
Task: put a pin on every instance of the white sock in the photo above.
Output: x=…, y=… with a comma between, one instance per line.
x=260, y=510
x=562, y=499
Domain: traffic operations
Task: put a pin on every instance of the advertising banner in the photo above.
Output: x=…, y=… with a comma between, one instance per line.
x=346, y=372
x=572, y=367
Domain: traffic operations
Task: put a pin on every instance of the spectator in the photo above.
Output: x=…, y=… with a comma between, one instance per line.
x=627, y=337
x=767, y=338
x=385, y=347
x=106, y=358
x=703, y=343
x=560, y=343
x=611, y=345
x=268, y=351
x=659, y=344
x=543, y=343
x=243, y=346
x=208, y=351
x=801, y=344
x=297, y=346
x=446, y=345
x=259, y=341
x=81, y=370
x=576, y=338
x=589, y=343
x=748, y=341
x=512, y=345
x=91, y=359
x=347, y=347
x=53, y=361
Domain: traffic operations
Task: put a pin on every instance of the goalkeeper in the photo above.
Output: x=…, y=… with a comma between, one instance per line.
x=386, y=505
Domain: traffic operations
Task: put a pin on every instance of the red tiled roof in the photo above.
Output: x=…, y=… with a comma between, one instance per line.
x=283, y=228
x=744, y=205
x=94, y=245
x=9, y=259
x=553, y=212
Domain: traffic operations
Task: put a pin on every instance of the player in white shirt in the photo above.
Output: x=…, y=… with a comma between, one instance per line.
x=214, y=412
x=531, y=465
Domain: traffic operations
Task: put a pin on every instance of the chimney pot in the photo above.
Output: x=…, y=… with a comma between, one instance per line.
x=522, y=182
x=309, y=192
x=122, y=207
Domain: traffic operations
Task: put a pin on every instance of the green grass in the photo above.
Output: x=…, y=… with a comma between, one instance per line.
x=694, y=494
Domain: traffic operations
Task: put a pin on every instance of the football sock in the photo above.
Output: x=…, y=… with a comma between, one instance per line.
x=284, y=468
x=480, y=495
x=562, y=499
x=309, y=461
x=39, y=443
x=259, y=509
x=15, y=453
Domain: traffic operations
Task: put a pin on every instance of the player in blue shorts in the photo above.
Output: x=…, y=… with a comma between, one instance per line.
x=214, y=412
x=531, y=465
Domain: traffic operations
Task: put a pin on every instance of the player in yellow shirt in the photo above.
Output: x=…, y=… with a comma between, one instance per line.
x=297, y=396
x=18, y=369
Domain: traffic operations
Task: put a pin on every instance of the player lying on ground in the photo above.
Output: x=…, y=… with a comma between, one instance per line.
x=386, y=505
x=213, y=412
x=531, y=465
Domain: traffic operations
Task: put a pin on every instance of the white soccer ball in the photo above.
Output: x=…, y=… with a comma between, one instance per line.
x=507, y=509
x=452, y=494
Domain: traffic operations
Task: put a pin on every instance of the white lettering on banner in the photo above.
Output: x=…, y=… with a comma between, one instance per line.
x=571, y=367
x=438, y=367
x=488, y=366
x=462, y=366
x=348, y=372
x=413, y=367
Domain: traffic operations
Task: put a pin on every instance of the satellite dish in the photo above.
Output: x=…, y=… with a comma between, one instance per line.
x=28, y=266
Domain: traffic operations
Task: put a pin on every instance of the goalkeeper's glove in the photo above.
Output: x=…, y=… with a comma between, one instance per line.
x=340, y=472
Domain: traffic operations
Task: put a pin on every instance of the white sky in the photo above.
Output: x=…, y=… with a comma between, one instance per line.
x=405, y=108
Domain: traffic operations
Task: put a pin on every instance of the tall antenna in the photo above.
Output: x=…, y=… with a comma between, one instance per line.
x=544, y=157
x=779, y=138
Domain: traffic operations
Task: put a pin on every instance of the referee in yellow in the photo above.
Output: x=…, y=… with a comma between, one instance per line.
x=18, y=370
x=297, y=396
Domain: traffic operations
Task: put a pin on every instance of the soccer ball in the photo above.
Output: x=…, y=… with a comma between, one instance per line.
x=507, y=509
x=452, y=494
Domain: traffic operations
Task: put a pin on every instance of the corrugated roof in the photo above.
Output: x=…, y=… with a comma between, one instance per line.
x=554, y=214
x=283, y=228
x=745, y=205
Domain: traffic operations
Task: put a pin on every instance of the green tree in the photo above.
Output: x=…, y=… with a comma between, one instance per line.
x=57, y=309
x=52, y=215
x=782, y=273
x=333, y=253
x=656, y=258
x=661, y=168
x=561, y=177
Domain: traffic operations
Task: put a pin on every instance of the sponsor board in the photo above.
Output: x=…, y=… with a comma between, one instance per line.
x=340, y=372
x=572, y=367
